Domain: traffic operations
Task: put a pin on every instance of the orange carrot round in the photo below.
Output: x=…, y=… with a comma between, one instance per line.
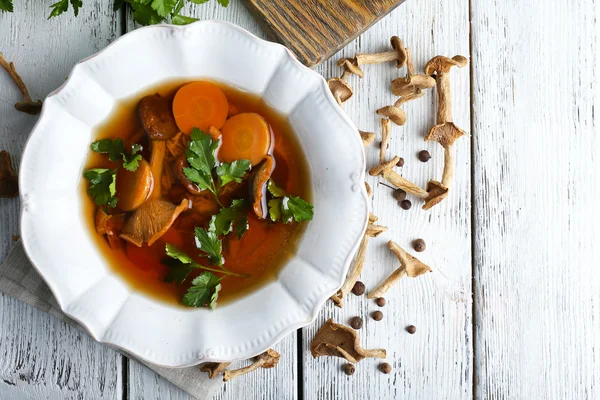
x=245, y=136
x=199, y=105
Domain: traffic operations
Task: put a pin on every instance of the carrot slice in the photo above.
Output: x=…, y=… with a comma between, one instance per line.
x=245, y=136
x=199, y=105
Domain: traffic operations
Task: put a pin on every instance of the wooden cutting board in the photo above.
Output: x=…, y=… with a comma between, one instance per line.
x=315, y=29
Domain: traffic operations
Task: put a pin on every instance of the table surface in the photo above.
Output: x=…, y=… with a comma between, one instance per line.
x=512, y=309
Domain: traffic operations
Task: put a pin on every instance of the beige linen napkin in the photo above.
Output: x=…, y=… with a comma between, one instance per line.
x=19, y=279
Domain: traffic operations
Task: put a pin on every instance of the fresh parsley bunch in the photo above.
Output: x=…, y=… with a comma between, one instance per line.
x=145, y=12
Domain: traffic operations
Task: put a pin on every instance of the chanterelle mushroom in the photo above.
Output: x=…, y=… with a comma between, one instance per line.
x=268, y=359
x=340, y=341
x=385, y=169
x=213, y=368
x=445, y=132
x=153, y=218
x=398, y=54
x=9, y=183
x=409, y=265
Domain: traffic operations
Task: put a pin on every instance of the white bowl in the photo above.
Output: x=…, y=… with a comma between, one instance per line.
x=59, y=243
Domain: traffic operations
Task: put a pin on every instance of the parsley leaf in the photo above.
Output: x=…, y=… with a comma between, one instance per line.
x=144, y=14
x=59, y=8
x=182, y=20
x=275, y=209
x=178, y=271
x=232, y=218
x=209, y=243
x=297, y=208
x=163, y=7
x=178, y=254
x=132, y=161
x=6, y=5
x=199, y=1
x=204, y=290
x=77, y=4
x=102, y=186
x=232, y=172
x=113, y=147
x=275, y=190
x=223, y=3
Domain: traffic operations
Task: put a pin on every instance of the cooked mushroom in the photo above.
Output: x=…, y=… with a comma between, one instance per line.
x=386, y=130
x=367, y=137
x=340, y=341
x=398, y=54
x=110, y=225
x=27, y=105
x=339, y=87
x=153, y=218
x=409, y=265
x=411, y=83
x=268, y=359
x=178, y=166
x=259, y=187
x=358, y=262
x=213, y=369
x=445, y=132
x=385, y=169
x=9, y=182
x=133, y=187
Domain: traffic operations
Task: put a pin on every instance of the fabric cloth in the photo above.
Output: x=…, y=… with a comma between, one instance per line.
x=19, y=279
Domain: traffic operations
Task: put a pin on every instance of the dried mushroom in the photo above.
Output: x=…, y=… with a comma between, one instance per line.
x=369, y=190
x=358, y=262
x=386, y=130
x=398, y=54
x=213, y=368
x=111, y=226
x=395, y=113
x=367, y=137
x=409, y=265
x=445, y=132
x=339, y=87
x=268, y=359
x=385, y=169
x=156, y=215
x=9, y=182
x=411, y=83
x=340, y=341
x=27, y=105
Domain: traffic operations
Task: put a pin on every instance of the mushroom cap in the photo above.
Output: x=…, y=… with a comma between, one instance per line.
x=157, y=118
x=151, y=221
x=445, y=134
x=213, y=368
x=437, y=192
x=414, y=267
x=340, y=89
x=403, y=86
x=397, y=45
x=9, y=182
x=350, y=64
x=443, y=64
x=395, y=114
x=377, y=170
x=271, y=358
x=337, y=340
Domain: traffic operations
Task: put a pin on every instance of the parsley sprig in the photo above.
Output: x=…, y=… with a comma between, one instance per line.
x=115, y=148
x=205, y=171
x=102, y=186
x=286, y=208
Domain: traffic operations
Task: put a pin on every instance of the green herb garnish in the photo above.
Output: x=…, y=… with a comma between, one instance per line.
x=203, y=165
x=204, y=290
x=116, y=151
x=102, y=186
x=287, y=208
x=230, y=219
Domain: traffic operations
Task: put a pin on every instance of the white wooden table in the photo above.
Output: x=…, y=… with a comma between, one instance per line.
x=512, y=309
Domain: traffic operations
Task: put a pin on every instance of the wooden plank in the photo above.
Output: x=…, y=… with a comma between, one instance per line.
x=536, y=152
x=436, y=361
x=315, y=29
x=278, y=383
x=41, y=357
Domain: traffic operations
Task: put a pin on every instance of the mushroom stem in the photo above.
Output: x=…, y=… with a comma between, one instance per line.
x=386, y=127
x=375, y=230
x=156, y=166
x=230, y=374
x=448, y=174
x=372, y=217
x=374, y=353
x=444, y=111
x=369, y=190
x=27, y=105
x=409, y=265
x=402, y=183
x=376, y=58
x=410, y=65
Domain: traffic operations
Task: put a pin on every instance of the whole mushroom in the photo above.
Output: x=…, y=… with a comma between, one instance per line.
x=398, y=54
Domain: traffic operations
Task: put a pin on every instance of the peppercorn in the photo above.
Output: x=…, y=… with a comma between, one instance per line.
x=399, y=194
x=405, y=204
x=359, y=288
x=411, y=329
x=419, y=245
x=380, y=301
x=400, y=162
x=424, y=156
x=377, y=315
x=385, y=368
x=356, y=322
x=349, y=369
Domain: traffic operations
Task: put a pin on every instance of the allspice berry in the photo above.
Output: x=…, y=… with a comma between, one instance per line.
x=411, y=329
x=399, y=194
x=356, y=322
x=385, y=368
x=377, y=315
x=349, y=369
x=380, y=301
x=424, y=156
x=400, y=162
x=419, y=245
x=358, y=289
x=405, y=204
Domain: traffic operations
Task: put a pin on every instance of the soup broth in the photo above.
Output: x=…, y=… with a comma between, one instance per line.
x=261, y=252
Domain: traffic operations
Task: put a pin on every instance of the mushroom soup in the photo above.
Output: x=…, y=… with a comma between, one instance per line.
x=196, y=191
